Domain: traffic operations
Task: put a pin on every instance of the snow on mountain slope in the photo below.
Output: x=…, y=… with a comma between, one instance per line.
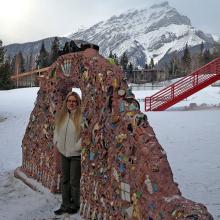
x=151, y=32
x=216, y=38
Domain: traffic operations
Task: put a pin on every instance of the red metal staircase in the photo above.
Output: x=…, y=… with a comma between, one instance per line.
x=185, y=87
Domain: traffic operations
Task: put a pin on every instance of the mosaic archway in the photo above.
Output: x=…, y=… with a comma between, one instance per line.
x=125, y=172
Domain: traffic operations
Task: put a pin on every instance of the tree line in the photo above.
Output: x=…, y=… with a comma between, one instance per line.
x=177, y=66
x=182, y=66
x=17, y=64
x=126, y=65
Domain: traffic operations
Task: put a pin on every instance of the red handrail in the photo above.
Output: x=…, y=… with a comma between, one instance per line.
x=203, y=75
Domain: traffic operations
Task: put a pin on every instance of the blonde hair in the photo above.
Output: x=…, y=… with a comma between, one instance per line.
x=76, y=115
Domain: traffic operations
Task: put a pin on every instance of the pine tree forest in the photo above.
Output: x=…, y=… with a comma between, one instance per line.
x=177, y=66
x=5, y=73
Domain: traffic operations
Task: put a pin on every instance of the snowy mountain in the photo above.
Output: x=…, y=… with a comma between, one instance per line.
x=151, y=32
x=156, y=32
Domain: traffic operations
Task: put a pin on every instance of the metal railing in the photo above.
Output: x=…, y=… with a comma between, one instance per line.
x=27, y=79
x=177, y=89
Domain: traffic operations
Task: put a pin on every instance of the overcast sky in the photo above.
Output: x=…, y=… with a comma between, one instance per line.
x=29, y=20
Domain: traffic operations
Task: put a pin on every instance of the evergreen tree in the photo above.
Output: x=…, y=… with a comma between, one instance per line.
x=31, y=62
x=146, y=65
x=73, y=47
x=200, y=55
x=13, y=65
x=17, y=64
x=195, y=62
x=207, y=57
x=186, y=60
x=124, y=61
x=5, y=74
x=115, y=57
x=1, y=53
x=112, y=58
x=111, y=55
x=5, y=81
x=66, y=48
x=170, y=69
x=55, y=50
x=43, y=57
x=21, y=62
x=130, y=71
x=216, y=51
x=166, y=70
x=173, y=69
x=201, y=48
x=152, y=65
x=27, y=63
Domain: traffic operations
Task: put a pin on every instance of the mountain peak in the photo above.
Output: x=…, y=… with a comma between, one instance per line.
x=145, y=33
x=155, y=32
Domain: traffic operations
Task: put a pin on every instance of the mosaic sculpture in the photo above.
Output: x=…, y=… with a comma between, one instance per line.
x=125, y=172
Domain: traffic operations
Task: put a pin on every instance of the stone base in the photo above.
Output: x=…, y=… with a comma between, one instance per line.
x=32, y=183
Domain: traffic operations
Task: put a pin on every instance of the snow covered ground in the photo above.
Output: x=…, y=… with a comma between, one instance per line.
x=191, y=139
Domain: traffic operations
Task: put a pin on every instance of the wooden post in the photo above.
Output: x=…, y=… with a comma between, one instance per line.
x=17, y=78
x=31, y=77
x=172, y=91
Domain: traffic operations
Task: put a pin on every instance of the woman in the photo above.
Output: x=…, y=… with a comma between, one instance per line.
x=68, y=142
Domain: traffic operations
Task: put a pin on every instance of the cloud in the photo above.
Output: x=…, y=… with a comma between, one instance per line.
x=46, y=18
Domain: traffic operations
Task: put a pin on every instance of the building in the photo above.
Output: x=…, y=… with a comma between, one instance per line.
x=147, y=76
